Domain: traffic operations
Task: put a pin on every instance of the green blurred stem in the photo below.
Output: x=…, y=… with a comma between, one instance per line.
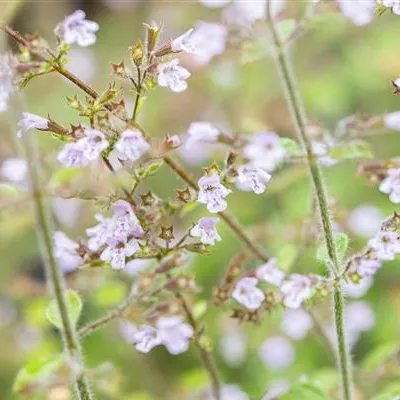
x=294, y=101
x=55, y=277
x=205, y=355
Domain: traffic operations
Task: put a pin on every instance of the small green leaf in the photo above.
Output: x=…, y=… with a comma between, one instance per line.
x=342, y=243
x=305, y=391
x=148, y=170
x=199, y=309
x=36, y=370
x=286, y=256
x=74, y=306
x=291, y=146
x=355, y=149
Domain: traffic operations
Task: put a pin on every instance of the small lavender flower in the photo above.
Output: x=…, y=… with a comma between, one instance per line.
x=174, y=333
x=393, y=4
x=277, y=353
x=386, y=245
x=201, y=132
x=248, y=294
x=271, y=273
x=206, y=231
x=145, y=338
x=124, y=223
x=73, y=155
x=117, y=251
x=321, y=150
x=365, y=266
x=295, y=290
x=132, y=145
x=77, y=29
x=296, y=323
x=232, y=392
x=359, y=12
x=392, y=121
x=14, y=170
x=252, y=178
x=173, y=76
x=6, y=80
x=264, y=150
x=31, y=121
x=212, y=193
x=365, y=220
x=207, y=40
x=99, y=234
x=93, y=143
x=391, y=185
x=65, y=250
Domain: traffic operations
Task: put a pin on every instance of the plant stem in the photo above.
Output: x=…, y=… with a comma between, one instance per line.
x=54, y=275
x=294, y=101
x=205, y=355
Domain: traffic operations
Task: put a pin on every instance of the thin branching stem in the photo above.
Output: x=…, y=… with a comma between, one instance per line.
x=294, y=101
x=54, y=275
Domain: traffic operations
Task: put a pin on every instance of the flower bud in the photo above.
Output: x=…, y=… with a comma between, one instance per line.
x=137, y=53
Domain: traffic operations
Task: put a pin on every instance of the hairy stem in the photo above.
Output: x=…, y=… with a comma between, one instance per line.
x=205, y=355
x=54, y=275
x=294, y=101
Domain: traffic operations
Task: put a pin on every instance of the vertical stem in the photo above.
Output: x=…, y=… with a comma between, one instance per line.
x=294, y=101
x=54, y=275
x=205, y=356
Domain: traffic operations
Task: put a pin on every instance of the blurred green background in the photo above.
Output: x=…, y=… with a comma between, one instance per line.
x=342, y=70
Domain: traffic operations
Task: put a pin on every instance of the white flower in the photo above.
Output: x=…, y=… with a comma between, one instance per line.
x=365, y=266
x=264, y=150
x=214, y=3
x=393, y=4
x=124, y=223
x=247, y=12
x=73, y=155
x=201, y=132
x=248, y=294
x=206, y=231
x=99, y=233
x=6, y=80
x=359, y=316
x=391, y=185
x=360, y=12
x=31, y=121
x=296, y=323
x=357, y=290
x=174, y=334
x=145, y=338
x=132, y=145
x=295, y=290
x=65, y=250
x=77, y=29
x=206, y=40
x=14, y=170
x=392, y=121
x=252, y=178
x=173, y=76
x=117, y=251
x=233, y=392
x=386, y=245
x=212, y=193
x=271, y=273
x=233, y=348
x=365, y=220
x=277, y=353
x=93, y=143
x=321, y=150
